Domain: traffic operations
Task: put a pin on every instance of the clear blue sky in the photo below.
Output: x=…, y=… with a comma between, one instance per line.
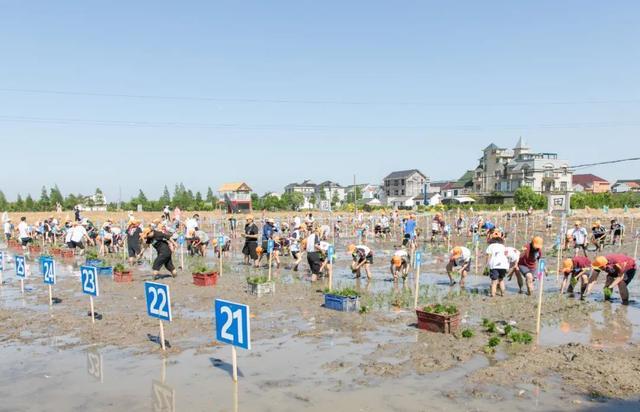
x=271, y=92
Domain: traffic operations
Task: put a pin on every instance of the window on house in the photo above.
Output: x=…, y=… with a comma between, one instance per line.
x=396, y=192
x=388, y=192
x=402, y=192
x=402, y=182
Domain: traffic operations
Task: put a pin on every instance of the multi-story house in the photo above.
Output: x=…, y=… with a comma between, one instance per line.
x=330, y=191
x=405, y=188
x=505, y=170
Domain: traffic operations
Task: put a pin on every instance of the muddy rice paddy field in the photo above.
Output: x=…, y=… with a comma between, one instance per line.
x=305, y=357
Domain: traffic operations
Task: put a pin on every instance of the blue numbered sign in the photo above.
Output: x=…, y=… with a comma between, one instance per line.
x=221, y=241
x=21, y=267
x=418, y=258
x=89, y=280
x=158, y=300
x=232, y=323
x=270, y=246
x=2, y=261
x=181, y=240
x=48, y=270
x=330, y=253
x=541, y=267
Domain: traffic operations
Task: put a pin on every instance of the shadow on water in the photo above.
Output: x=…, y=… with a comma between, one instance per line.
x=227, y=367
x=156, y=339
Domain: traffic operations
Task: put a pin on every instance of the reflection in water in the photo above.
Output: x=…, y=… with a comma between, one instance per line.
x=163, y=396
x=95, y=365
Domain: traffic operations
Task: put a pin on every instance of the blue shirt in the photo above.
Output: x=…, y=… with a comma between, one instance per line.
x=267, y=231
x=410, y=227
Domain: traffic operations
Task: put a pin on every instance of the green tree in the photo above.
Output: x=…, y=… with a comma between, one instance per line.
x=211, y=198
x=29, y=204
x=358, y=195
x=44, y=203
x=165, y=199
x=271, y=203
x=19, y=205
x=256, y=202
x=525, y=197
x=55, y=196
x=198, y=201
x=323, y=194
x=313, y=200
x=4, y=204
x=335, y=199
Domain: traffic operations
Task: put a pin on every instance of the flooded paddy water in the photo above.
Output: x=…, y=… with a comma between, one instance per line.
x=306, y=357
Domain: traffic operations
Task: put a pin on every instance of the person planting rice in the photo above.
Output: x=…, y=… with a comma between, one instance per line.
x=268, y=231
x=164, y=246
x=437, y=227
x=200, y=242
x=568, y=240
x=78, y=236
x=133, y=241
x=460, y=225
x=549, y=222
x=277, y=250
x=573, y=270
x=400, y=264
x=362, y=257
x=497, y=263
x=227, y=246
x=616, y=232
x=409, y=232
x=598, y=235
x=323, y=248
x=513, y=256
x=24, y=232
x=620, y=270
x=528, y=263
x=314, y=257
x=294, y=246
x=8, y=228
x=385, y=226
x=579, y=239
x=460, y=259
x=250, y=235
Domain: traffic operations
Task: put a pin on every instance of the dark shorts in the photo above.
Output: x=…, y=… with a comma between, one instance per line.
x=26, y=240
x=525, y=270
x=368, y=259
x=497, y=274
x=163, y=259
x=315, y=262
x=8, y=236
x=406, y=239
x=133, y=250
x=249, y=249
x=295, y=254
x=74, y=245
x=629, y=275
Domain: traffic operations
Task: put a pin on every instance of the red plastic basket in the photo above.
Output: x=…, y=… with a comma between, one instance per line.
x=205, y=279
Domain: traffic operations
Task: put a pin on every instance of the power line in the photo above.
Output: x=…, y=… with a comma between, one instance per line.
x=304, y=127
x=317, y=101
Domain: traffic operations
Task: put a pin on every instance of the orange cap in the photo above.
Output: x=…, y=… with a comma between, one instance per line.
x=259, y=250
x=396, y=260
x=456, y=252
x=599, y=262
x=567, y=265
x=537, y=242
x=351, y=248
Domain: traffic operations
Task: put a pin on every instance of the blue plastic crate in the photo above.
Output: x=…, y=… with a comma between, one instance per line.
x=341, y=303
x=105, y=270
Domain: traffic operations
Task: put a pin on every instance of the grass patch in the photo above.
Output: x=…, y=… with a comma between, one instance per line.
x=521, y=337
x=257, y=280
x=467, y=333
x=493, y=342
x=441, y=309
x=344, y=292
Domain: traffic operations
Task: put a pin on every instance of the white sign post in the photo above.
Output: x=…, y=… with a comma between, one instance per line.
x=89, y=281
x=233, y=327
x=21, y=270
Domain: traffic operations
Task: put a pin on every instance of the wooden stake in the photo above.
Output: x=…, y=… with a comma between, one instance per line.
x=477, y=257
x=270, y=255
x=182, y=256
x=22, y=283
x=330, y=276
x=93, y=314
x=220, y=249
x=50, y=296
x=539, y=312
x=161, y=334
x=234, y=362
x=417, y=291
x=635, y=251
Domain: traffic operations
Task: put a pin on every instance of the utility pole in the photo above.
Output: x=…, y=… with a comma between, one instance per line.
x=355, y=196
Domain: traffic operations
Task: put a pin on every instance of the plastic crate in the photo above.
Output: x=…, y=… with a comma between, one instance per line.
x=342, y=303
x=262, y=288
x=94, y=262
x=123, y=277
x=105, y=270
x=435, y=322
x=205, y=279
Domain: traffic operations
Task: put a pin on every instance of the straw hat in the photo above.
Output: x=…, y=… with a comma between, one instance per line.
x=456, y=252
x=567, y=265
x=396, y=260
x=351, y=248
x=537, y=242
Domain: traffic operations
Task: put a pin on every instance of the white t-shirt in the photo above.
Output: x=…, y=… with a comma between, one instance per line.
x=67, y=236
x=364, y=249
x=402, y=253
x=464, y=257
x=497, y=253
x=191, y=224
x=513, y=255
x=384, y=222
x=78, y=233
x=311, y=243
x=324, y=246
x=7, y=227
x=580, y=236
x=23, y=230
x=294, y=245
